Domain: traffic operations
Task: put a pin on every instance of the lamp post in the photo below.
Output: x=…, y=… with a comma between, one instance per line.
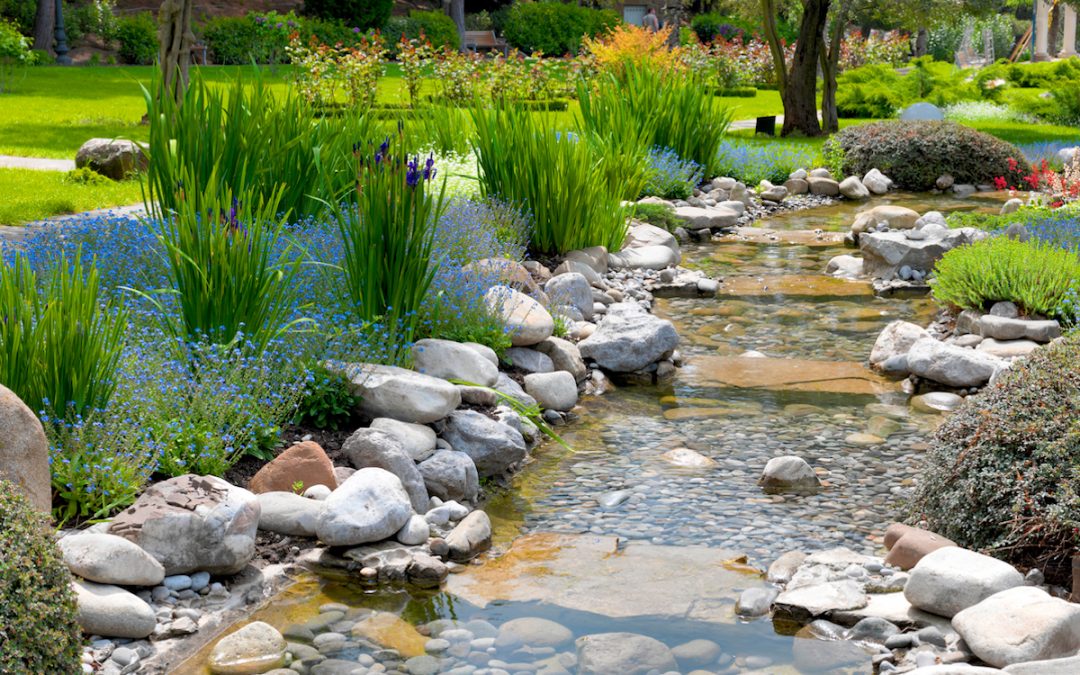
x=61, y=37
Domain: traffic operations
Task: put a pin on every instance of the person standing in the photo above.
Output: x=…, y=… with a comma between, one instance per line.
x=650, y=22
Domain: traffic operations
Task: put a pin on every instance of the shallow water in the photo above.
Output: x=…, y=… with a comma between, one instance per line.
x=805, y=392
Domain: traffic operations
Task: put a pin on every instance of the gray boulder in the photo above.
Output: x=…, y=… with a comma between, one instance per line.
x=449, y=474
x=530, y=360
x=24, y=450
x=952, y=579
x=644, y=258
x=712, y=218
x=494, y=447
x=876, y=182
x=594, y=258
x=886, y=253
x=415, y=532
x=1006, y=328
x=896, y=340
x=951, y=365
x=451, y=360
x=629, y=339
x=110, y=611
x=401, y=394
x=776, y=193
x=896, y=217
x=115, y=158
x=796, y=186
x=564, y=356
x=525, y=318
x=256, y=648
x=470, y=537
x=191, y=523
x=1020, y=624
x=789, y=473
x=374, y=448
x=509, y=387
x=571, y=289
x=826, y=187
x=553, y=391
x=371, y=505
x=1064, y=666
x=418, y=440
x=853, y=188
x=623, y=653
x=109, y=559
x=289, y=514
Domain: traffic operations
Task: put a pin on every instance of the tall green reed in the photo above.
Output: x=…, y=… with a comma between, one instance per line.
x=60, y=343
x=573, y=191
x=389, y=237
x=654, y=108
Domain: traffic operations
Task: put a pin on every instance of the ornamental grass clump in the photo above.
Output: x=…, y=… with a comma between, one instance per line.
x=60, y=344
x=1003, y=471
x=1033, y=274
x=573, y=191
x=39, y=629
x=388, y=241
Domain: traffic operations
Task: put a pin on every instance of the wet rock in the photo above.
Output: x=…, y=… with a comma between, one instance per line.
x=687, y=458
x=405, y=395
x=374, y=448
x=897, y=218
x=371, y=505
x=1020, y=624
x=755, y=602
x=571, y=289
x=451, y=360
x=909, y=545
x=816, y=653
x=417, y=440
x=937, y=402
x=451, y=474
x=951, y=579
x=494, y=447
x=553, y=391
x=951, y=365
x=820, y=599
x=532, y=632
x=108, y=559
x=525, y=318
x=1004, y=328
x=305, y=463
x=564, y=356
x=623, y=653
x=255, y=648
x=111, y=611
x=876, y=182
x=896, y=340
x=789, y=473
x=853, y=188
x=24, y=450
x=114, y=158
x=696, y=654
x=415, y=531
x=845, y=267
x=289, y=514
x=629, y=339
x=873, y=629
x=193, y=523
x=782, y=569
x=470, y=537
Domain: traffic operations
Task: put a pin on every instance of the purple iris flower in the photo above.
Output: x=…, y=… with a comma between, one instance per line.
x=413, y=173
x=429, y=167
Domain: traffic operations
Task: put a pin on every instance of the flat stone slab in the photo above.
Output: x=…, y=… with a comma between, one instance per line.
x=842, y=377
x=762, y=235
x=588, y=573
x=892, y=607
x=809, y=286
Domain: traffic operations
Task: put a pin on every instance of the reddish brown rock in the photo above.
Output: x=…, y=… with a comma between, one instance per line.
x=304, y=463
x=24, y=450
x=911, y=545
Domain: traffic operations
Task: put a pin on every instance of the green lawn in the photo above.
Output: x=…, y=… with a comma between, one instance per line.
x=32, y=195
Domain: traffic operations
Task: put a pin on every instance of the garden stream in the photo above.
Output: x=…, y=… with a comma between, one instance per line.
x=611, y=537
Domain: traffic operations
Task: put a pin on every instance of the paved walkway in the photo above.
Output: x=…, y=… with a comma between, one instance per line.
x=36, y=163
x=14, y=234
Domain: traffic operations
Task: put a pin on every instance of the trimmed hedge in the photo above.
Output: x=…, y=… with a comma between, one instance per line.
x=554, y=28
x=1003, y=472
x=39, y=630
x=915, y=154
x=438, y=28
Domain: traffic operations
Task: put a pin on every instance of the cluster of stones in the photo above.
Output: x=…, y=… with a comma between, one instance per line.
x=965, y=353
x=820, y=182
x=928, y=606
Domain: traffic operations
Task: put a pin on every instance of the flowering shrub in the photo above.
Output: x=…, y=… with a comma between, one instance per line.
x=325, y=75
x=748, y=62
x=890, y=48
x=985, y=111
x=671, y=177
x=1056, y=188
x=458, y=75
x=626, y=43
x=754, y=162
x=14, y=52
x=412, y=55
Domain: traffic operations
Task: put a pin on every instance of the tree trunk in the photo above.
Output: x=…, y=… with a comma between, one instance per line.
x=772, y=36
x=922, y=42
x=176, y=38
x=800, y=94
x=457, y=13
x=830, y=66
x=44, y=25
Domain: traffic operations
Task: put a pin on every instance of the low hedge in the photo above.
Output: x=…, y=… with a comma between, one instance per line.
x=1003, y=471
x=39, y=631
x=438, y=28
x=915, y=154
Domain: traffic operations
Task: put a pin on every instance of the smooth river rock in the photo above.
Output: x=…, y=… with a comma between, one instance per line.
x=290, y=514
x=370, y=506
x=24, y=450
x=470, y=537
x=525, y=318
x=629, y=339
x=788, y=473
x=401, y=394
x=493, y=446
x=109, y=559
x=824, y=598
x=1020, y=624
x=553, y=391
x=896, y=339
x=256, y=648
x=951, y=365
x=623, y=653
x=952, y=579
x=111, y=611
x=451, y=360
x=374, y=448
x=418, y=440
x=572, y=289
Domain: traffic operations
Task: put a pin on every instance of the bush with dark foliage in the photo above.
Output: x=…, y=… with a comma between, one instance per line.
x=39, y=632
x=915, y=154
x=363, y=14
x=1003, y=473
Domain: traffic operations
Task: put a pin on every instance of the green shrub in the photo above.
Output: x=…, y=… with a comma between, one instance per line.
x=14, y=52
x=328, y=401
x=1003, y=471
x=711, y=25
x=660, y=215
x=992, y=222
x=1066, y=102
x=37, y=606
x=438, y=28
x=20, y=13
x=553, y=27
x=363, y=14
x=877, y=91
x=566, y=182
x=60, y=345
x=1034, y=275
x=235, y=40
x=137, y=36
x=915, y=154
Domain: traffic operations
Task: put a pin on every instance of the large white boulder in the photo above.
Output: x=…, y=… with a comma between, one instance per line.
x=1020, y=624
x=110, y=611
x=526, y=319
x=109, y=559
x=853, y=188
x=644, y=258
x=371, y=505
x=451, y=360
x=951, y=365
x=571, y=289
x=373, y=448
x=896, y=340
x=952, y=579
x=495, y=447
x=886, y=253
x=629, y=339
x=401, y=394
x=876, y=182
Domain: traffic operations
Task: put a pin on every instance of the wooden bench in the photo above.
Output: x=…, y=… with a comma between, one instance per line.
x=475, y=40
